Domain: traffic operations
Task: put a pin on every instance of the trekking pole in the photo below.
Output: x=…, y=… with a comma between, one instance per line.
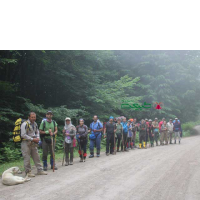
x=114, y=145
x=63, y=154
x=149, y=141
x=52, y=143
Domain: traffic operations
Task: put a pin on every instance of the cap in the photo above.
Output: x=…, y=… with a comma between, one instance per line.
x=49, y=112
x=146, y=119
x=67, y=118
x=111, y=117
x=170, y=120
x=156, y=118
x=176, y=118
x=150, y=120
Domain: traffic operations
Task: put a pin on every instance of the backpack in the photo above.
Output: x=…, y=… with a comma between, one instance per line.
x=17, y=129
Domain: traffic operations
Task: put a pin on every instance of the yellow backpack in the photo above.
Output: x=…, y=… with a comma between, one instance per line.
x=17, y=130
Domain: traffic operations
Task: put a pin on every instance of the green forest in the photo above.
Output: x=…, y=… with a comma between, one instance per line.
x=81, y=84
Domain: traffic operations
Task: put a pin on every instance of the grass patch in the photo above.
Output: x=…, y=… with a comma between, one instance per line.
x=58, y=158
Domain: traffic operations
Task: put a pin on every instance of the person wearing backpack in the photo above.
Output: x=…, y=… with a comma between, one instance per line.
x=30, y=138
x=48, y=129
x=109, y=132
x=81, y=136
x=129, y=135
x=156, y=130
x=164, y=131
x=125, y=132
x=119, y=132
x=142, y=133
x=134, y=129
x=177, y=130
x=170, y=127
x=96, y=128
x=69, y=132
x=150, y=132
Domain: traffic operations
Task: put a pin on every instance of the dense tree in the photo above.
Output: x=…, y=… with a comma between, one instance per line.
x=84, y=83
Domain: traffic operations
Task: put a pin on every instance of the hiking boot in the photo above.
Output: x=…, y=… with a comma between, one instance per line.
x=55, y=167
x=107, y=154
x=66, y=164
x=44, y=165
x=29, y=174
x=98, y=152
x=45, y=168
x=91, y=156
x=42, y=173
x=156, y=143
x=81, y=160
x=118, y=150
x=71, y=163
x=84, y=159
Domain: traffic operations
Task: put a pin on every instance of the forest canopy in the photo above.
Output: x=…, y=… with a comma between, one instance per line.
x=80, y=84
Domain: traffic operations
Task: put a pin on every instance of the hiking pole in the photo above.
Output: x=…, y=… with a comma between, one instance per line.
x=52, y=143
x=63, y=154
x=122, y=141
x=114, y=145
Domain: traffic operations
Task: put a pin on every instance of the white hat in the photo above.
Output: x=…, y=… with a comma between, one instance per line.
x=67, y=118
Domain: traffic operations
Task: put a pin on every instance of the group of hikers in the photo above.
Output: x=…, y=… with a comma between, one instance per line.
x=119, y=132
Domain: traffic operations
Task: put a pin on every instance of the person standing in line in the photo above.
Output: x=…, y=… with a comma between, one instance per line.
x=170, y=128
x=164, y=133
x=48, y=129
x=81, y=135
x=142, y=134
x=177, y=129
x=156, y=130
x=119, y=132
x=125, y=132
x=69, y=133
x=96, y=129
x=30, y=138
x=109, y=132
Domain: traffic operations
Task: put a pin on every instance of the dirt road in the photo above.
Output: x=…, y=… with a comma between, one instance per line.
x=165, y=172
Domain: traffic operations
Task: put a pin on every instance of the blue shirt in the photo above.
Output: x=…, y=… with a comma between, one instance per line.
x=96, y=126
x=125, y=127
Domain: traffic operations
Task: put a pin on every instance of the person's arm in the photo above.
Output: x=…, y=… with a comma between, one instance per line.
x=101, y=127
x=37, y=133
x=41, y=128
